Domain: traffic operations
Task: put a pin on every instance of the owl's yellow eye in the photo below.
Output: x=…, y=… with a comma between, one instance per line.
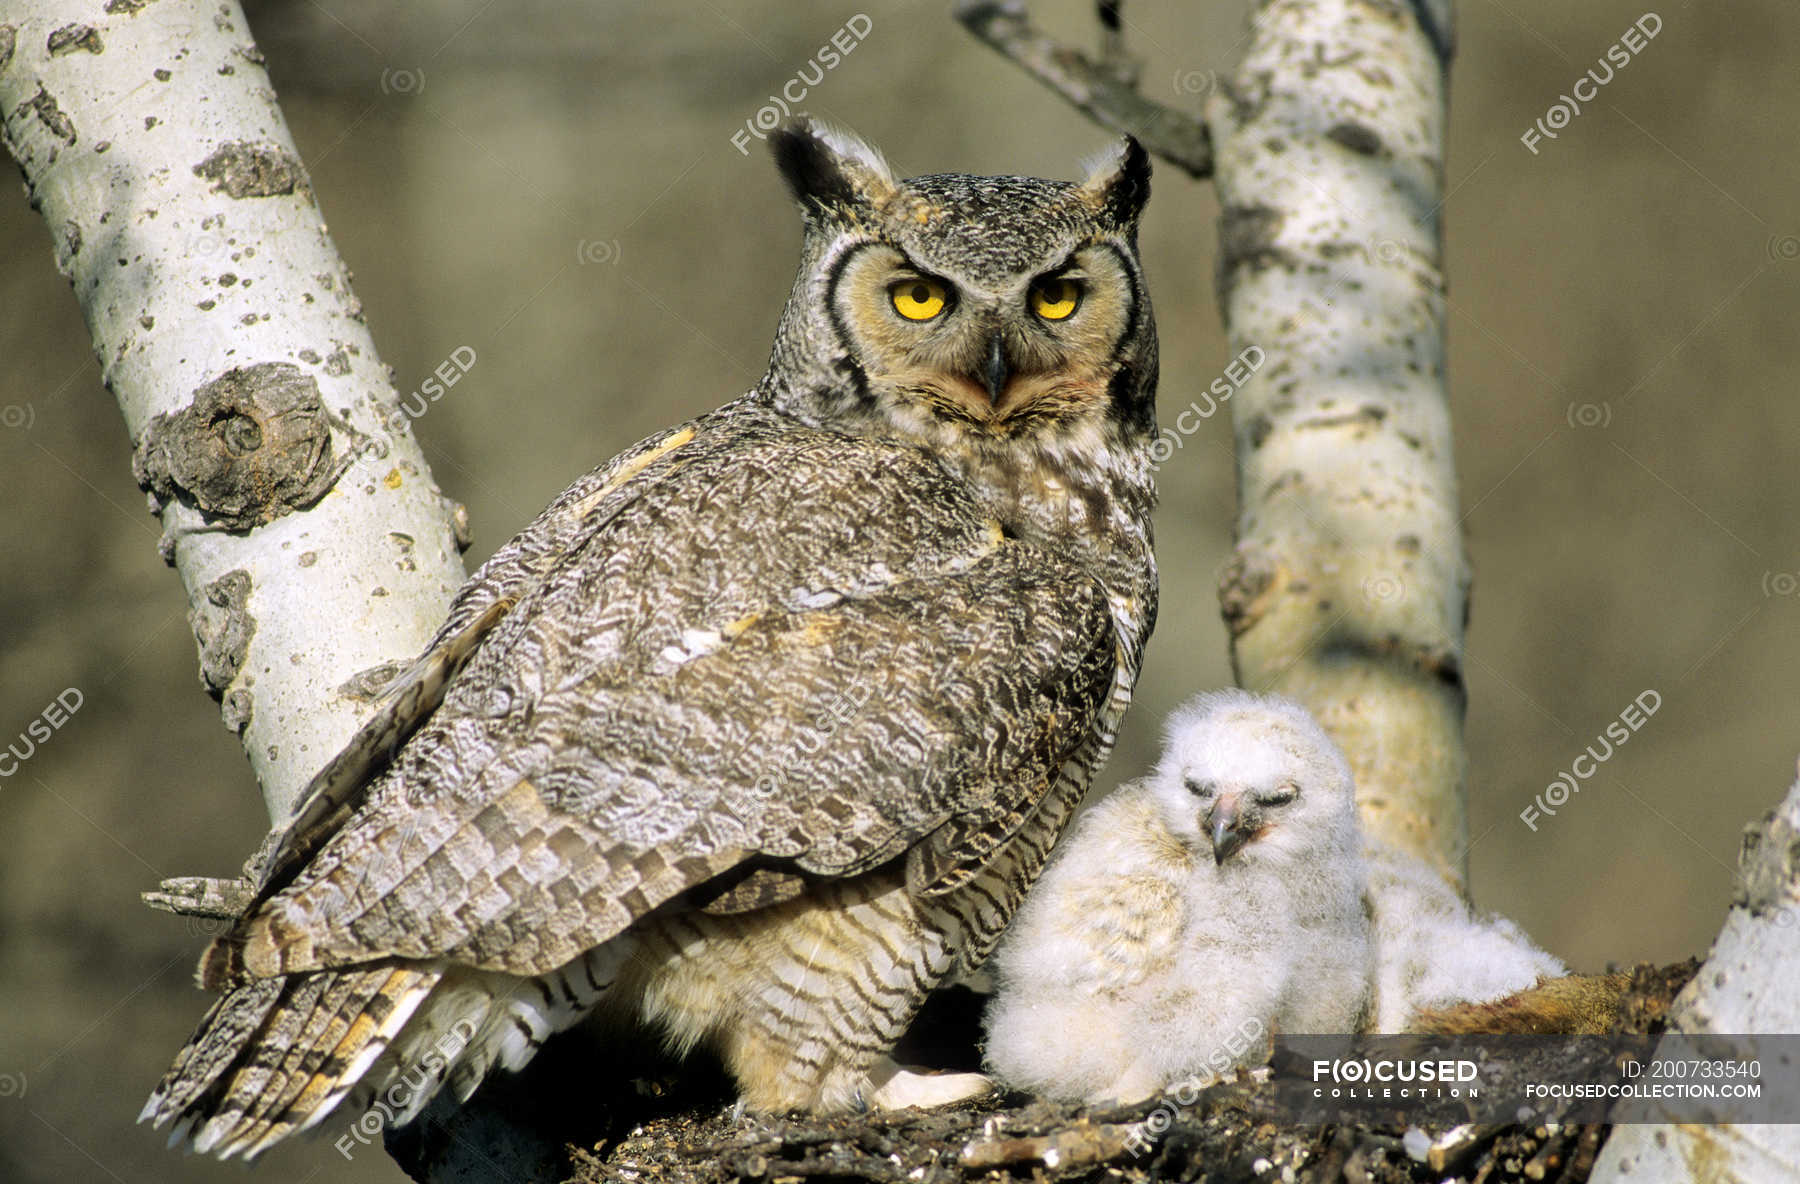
x=918, y=299
x=1055, y=300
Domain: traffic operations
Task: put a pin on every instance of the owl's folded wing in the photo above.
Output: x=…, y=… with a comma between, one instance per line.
x=507, y=577
x=566, y=787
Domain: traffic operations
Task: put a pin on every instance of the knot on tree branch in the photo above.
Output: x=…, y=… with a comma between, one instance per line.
x=1246, y=586
x=243, y=168
x=1768, y=866
x=223, y=626
x=255, y=444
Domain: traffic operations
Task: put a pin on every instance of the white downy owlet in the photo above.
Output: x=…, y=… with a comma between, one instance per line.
x=1221, y=895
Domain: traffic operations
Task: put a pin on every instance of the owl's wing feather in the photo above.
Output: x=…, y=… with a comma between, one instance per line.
x=512, y=571
x=793, y=649
x=408, y=701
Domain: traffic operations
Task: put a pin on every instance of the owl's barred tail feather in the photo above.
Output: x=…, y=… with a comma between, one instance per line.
x=277, y=1055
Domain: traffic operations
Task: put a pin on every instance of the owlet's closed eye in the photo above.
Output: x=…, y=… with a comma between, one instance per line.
x=1281, y=795
x=918, y=298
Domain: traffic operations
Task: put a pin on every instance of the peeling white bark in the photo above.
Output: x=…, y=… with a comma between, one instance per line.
x=295, y=502
x=1749, y=983
x=1349, y=587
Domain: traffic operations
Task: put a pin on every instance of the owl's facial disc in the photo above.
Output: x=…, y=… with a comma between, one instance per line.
x=994, y=353
x=1239, y=817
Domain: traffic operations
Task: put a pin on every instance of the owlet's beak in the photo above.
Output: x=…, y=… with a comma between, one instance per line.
x=1226, y=825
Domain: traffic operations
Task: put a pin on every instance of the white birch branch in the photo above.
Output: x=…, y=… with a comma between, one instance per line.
x=295, y=502
x=1349, y=587
x=1749, y=983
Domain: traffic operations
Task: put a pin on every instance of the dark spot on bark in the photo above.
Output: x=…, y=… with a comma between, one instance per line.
x=237, y=710
x=9, y=41
x=310, y=356
x=43, y=104
x=337, y=364
x=1407, y=544
x=308, y=558
x=1357, y=137
x=366, y=685
x=147, y=322
x=227, y=70
x=404, y=542
x=162, y=75
x=1258, y=429
x=1768, y=861
x=71, y=239
x=129, y=7
x=244, y=169
x=459, y=526
x=73, y=39
x=102, y=146
x=223, y=626
x=1247, y=238
x=227, y=279
x=207, y=305
x=255, y=444
x=1244, y=587
x=149, y=122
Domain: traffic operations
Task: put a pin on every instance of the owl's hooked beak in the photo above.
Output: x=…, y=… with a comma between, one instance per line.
x=1227, y=826
x=996, y=372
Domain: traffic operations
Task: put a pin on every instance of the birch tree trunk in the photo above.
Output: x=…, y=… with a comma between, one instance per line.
x=295, y=502
x=1749, y=983
x=1348, y=588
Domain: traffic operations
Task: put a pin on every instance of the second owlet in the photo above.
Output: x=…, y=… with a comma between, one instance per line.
x=1218, y=899
x=764, y=727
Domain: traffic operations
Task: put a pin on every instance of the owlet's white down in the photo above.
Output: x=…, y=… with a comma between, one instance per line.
x=1219, y=898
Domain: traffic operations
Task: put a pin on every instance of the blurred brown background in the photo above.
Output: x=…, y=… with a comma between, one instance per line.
x=555, y=186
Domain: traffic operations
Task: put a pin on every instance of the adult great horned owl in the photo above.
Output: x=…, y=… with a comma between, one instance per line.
x=1193, y=914
x=763, y=728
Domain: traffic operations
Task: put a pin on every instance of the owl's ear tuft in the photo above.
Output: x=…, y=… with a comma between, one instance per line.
x=1118, y=184
x=826, y=168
